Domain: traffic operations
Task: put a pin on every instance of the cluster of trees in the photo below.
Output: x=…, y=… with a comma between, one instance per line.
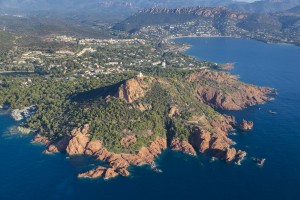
x=107, y=118
x=6, y=44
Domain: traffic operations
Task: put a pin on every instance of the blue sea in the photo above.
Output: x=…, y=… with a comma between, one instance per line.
x=26, y=173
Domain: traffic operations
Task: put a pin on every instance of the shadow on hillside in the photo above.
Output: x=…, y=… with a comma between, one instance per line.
x=98, y=93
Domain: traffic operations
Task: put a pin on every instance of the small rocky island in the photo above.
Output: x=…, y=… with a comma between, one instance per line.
x=246, y=125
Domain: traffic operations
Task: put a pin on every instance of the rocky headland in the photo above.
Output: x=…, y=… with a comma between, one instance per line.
x=224, y=91
x=205, y=131
x=19, y=114
x=79, y=143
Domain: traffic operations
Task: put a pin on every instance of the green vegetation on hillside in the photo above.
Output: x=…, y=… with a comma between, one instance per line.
x=67, y=103
x=6, y=44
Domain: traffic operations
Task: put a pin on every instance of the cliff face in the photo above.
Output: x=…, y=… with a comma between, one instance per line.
x=211, y=137
x=133, y=89
x=196, y=11
x=224, y=91
x=80, y=143
x=183, y=146
x=216, y=144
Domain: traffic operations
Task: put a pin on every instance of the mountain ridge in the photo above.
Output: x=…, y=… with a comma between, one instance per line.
x=281, y=27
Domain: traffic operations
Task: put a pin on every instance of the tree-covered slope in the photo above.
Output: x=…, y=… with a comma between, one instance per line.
x=127, y=119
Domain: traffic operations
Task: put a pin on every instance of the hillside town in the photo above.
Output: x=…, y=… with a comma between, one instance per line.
x=91, y=57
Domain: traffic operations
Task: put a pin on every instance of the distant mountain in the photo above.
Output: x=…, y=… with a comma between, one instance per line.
x=295, y=10
x=111, y=7
x=101, y=4
x=274, y=27
x=115, y=10
x=160, y=16
x=266, y=6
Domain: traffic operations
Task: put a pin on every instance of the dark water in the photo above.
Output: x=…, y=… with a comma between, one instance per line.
x=25, y=173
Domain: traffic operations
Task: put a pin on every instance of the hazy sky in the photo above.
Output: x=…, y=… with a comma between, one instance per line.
x=246, y=0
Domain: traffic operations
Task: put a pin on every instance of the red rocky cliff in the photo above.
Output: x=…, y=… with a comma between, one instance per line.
x=133, y=89
x=224, y=91
x=80, y=143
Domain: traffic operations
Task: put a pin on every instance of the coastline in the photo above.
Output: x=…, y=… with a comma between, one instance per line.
x=274, y=137
x=172, y=37
x=80, y=144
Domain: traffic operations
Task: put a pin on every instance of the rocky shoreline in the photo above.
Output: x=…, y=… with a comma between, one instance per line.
x=20, y=114
x=79, y=143
x=208, y=135
x=224, y=91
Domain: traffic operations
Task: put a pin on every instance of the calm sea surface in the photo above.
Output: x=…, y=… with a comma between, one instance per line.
x=25, y=173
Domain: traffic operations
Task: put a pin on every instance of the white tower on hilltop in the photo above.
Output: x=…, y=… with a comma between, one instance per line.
x=4, y=28
x=140, y=75
x=163, y=64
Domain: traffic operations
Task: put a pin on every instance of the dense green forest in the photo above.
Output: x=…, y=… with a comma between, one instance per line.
x=65, y=103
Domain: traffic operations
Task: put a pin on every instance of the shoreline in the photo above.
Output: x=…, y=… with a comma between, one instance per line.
x=172, y=37
x=79, y=143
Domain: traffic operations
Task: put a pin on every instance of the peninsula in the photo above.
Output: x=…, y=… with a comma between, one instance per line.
x=131, y=121
x=125, y=99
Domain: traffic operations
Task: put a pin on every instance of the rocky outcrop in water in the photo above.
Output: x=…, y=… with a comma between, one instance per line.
x=40, y=139
x=183, y=146
x=216, y=142
x=246, y=125
x=260, y=161
x=224, y=91
x=59, y=146
x=104, y=172
x=94, y=173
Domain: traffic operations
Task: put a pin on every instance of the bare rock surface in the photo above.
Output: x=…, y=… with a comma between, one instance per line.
x=133, y=89
x=41, y=139
x=185, y=147
x=59, y=146
x=79, y=141
x=128, y=140
x=246, y=125
x=225, y=91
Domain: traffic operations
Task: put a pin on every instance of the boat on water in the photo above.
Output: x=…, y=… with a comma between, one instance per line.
x=272, y=112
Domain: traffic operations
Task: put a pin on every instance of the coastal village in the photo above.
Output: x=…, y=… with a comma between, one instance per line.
x=89, y=57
